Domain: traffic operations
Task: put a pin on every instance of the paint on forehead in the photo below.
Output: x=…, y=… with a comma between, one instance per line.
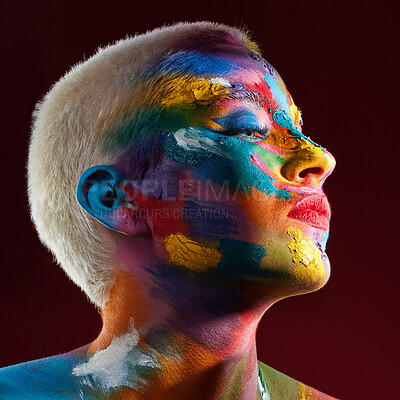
x=278, y=90
x=287, y=115
x=283, y=119
x=190, y=90
x=196, y=63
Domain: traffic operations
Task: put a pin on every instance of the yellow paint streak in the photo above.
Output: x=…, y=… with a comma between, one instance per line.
x=294, y=112
x=309, y=151
x=191, y=254
x=283, y=140
x=183, y=90
x=306, y=393
x=304, y=252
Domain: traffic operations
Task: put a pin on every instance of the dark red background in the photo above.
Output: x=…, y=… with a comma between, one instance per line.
x=338, y=62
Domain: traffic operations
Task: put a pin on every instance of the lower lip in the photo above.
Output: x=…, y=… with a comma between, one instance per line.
x=317, y=217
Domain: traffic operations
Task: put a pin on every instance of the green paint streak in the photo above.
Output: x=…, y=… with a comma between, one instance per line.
x=250, y=173
x=271, y=159
x=280, y=386
x=149, y=121
x=240, y=258
x=184, y=156
x=235, y=384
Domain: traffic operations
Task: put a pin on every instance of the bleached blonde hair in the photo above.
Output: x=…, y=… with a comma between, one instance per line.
x=70, y=123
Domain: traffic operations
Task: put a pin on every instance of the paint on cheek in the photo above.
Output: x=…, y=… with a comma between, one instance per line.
x=267, y=160
x=242, y=259
x=210, y=220
x=224, y=160
x=191, y=254
x=324, y=240
x=196, y=139
x=186, y=150
x=251, y=173
x=304, y=252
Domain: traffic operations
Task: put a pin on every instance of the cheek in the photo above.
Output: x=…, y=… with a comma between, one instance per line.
x=266, y=212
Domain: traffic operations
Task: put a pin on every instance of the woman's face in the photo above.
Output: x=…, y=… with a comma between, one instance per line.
x=238, y=191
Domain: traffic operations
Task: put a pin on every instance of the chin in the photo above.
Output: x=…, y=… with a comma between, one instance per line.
x=296, y=261
x=307, y=279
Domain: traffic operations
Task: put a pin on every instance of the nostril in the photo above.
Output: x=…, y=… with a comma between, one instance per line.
x=313, y=171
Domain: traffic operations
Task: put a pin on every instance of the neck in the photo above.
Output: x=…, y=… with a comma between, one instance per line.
x=180, y=337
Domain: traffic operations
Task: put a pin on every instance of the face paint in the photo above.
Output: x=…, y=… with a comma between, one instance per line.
x=227, y=122
x=191, y=254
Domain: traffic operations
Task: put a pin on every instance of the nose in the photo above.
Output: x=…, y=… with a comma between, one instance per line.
x=309, y=166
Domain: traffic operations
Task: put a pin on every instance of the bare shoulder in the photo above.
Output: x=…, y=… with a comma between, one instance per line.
x=47, y=378
x=282, y=387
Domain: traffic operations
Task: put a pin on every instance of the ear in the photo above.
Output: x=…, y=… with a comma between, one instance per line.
x=100, y=193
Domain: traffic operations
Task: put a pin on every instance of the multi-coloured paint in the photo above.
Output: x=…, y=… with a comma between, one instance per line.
x=207, y=128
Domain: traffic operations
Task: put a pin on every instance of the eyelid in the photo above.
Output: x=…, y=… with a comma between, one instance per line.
x=245, y=131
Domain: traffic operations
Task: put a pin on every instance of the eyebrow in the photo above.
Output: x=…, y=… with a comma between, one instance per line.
x=251, y=96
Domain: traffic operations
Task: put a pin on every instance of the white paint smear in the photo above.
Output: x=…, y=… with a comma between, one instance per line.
x=191, y=139
x=116, y=366
x=220, y=81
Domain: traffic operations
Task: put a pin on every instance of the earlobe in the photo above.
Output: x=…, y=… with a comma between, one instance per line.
x=100, y=193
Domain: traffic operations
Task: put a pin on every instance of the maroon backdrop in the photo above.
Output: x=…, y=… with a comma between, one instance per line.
x=338, y=62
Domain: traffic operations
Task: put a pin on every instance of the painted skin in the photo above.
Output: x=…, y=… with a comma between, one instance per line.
x=217, y=247
x=238, y=151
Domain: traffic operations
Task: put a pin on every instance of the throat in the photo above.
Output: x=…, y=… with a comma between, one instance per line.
x=154, y=345
x=170, y=367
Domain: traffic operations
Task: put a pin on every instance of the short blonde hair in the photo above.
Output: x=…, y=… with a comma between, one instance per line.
x=69, y=128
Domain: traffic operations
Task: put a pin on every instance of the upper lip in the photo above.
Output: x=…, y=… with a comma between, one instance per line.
x=313, y=209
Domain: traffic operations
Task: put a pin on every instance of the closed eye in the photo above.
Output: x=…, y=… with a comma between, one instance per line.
x=247, y=134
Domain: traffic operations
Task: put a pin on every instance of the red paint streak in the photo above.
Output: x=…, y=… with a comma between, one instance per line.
x=314, y=210
x=165, y=216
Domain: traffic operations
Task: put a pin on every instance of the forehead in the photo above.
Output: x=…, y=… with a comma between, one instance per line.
x=195, y=88
x=196, y=78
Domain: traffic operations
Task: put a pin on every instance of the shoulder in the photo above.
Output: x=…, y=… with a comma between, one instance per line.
x=47, y=378
x=282, y=387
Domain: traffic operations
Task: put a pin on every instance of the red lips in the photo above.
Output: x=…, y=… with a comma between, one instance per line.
x=314, y=210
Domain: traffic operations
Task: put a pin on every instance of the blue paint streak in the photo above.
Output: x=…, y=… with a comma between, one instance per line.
x=196, y=63
x=280, y=96
x=241, y=172
x=49, y=378
x=283, y=119
x=240, y=119
x=231, y=168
